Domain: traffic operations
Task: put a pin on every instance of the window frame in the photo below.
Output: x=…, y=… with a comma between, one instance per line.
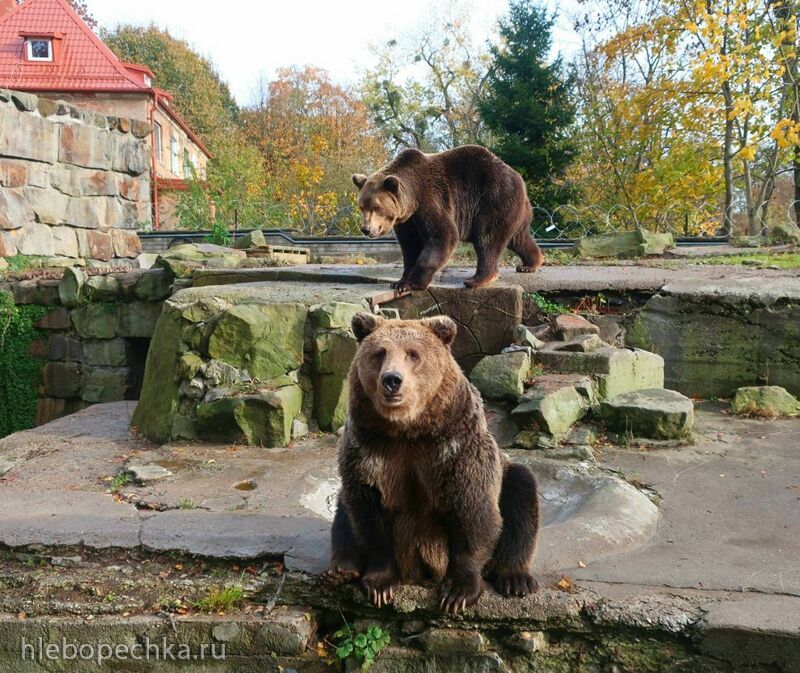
x=38, y=59
x=158, y=133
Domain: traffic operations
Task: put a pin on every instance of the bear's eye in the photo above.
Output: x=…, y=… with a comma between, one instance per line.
x=413, y=354
x=380, y=354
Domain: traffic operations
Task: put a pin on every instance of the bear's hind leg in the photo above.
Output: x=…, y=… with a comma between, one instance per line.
x=523, y=245
x=509, y=570
x=347, y=555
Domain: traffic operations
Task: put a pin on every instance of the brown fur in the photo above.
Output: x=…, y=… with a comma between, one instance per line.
x=433, y=201
x=421, y=475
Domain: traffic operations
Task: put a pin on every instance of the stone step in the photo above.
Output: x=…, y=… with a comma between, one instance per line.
x=653, y=414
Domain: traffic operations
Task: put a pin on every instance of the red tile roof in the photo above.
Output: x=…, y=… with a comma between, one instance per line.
x=82, y=62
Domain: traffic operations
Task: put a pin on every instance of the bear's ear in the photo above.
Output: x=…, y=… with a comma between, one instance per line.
x=391, y=183
x=364, y=324
x=443, y=327
x=359, y=180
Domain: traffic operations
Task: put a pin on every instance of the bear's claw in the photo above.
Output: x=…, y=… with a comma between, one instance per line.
x=459, y=595
x=518, y=584
x=380, y=587
x=528, y=269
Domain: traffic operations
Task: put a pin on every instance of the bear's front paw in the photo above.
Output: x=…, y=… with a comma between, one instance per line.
x=380, y=586
x=396, y=285
x=459, y=593
x=514, y=583
x=339, y=573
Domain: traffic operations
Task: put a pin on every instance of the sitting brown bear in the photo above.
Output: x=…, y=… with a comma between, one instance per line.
x=433, y=201
x=426, y=494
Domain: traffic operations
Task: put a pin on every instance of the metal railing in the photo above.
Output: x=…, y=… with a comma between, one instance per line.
x=564, y=223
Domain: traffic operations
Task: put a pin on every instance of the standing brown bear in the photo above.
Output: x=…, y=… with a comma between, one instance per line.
x=433, y=201
x=426, y=493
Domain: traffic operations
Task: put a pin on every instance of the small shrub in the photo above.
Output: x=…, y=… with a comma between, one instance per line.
x=363, y=647
x=545, y=305
x=219, y=234
x=119, y=481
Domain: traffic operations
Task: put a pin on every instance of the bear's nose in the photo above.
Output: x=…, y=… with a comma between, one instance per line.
x=365, y=230
x=392, y=382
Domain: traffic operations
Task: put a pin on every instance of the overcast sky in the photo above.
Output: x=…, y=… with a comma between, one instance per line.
x=244, y=39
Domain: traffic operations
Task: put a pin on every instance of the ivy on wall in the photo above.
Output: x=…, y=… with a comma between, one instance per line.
x=19, y=372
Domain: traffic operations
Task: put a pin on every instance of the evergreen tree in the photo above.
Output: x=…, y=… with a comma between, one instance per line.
x=527, y=107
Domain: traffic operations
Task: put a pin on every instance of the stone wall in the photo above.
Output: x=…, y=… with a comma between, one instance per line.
x=74, y=184
x=94, y=338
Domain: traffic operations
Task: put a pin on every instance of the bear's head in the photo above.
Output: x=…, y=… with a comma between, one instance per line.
x=381, y=203
x=402, y=364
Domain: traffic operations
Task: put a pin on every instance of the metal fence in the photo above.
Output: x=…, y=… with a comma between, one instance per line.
x=565, y=223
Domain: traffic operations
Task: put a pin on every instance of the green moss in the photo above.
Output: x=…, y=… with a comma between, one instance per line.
x=19, y=373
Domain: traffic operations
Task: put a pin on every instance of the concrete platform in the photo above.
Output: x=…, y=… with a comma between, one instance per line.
x=711, y=569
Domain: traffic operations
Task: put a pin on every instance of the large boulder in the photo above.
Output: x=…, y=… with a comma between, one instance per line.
x=502, y=376
x=253, y=239
x=654, y=414
x=765, y=402
x=637, y=243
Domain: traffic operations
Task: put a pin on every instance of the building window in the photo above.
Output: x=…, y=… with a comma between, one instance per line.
x=39, y=49
x=158, y=141
x=175, y=156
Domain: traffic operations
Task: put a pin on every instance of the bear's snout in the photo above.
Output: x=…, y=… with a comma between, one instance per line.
x=391, y=382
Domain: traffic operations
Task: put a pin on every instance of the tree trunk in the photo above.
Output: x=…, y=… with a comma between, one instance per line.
x=727, y=163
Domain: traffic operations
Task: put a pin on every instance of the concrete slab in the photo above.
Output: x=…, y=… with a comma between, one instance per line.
x=574, y=278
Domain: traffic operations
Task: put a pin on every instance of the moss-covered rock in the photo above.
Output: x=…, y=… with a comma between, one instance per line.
x=637, y=243
x=551, y=404
x=784, y=234
x=253, y=239
x=333, y=352
x=653, y=414
x=263, y=419
x=96, y=321
x=502, y=376
x=764, y=402
x=264, y=339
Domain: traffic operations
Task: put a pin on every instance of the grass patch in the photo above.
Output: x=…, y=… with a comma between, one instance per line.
x=545, y=305
x=751, y=409
x=221, y=599
x=789, y=260
x=120, y=481
x=186, y=503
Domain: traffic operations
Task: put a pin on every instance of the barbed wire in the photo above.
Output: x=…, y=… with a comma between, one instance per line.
x=565, y=222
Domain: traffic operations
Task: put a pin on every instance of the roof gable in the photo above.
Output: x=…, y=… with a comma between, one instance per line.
x=82, y=61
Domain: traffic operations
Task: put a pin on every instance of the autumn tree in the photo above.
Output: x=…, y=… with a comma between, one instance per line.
x=425, y=87
x=200, y=94
x=527, y=106
x=312, y=135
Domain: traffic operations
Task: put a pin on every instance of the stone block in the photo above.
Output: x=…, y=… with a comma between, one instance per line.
x=102, y=384
x=554, y=403
x=130, y=188
x=49, y=205
x=138, y=319
x=502, y=376
x=98, y=183
x=141, y=128
x=7, y=246
x=34, y=238
x=33, y=138
x=62, y=379
x=153, y=285
x=447, y=641
x=570, y=326
x=265, y=339
x=47, y=107
x=13, y=173
x=253, y=239
x=71, y=289
x=336, y=315
x=57, y=319
x=87, y=212
x=48, y=409
x=131, y=156
x=15, y=211
x=27, y=102
x=262, y=419
x=617, y=370
x=65, y=242
x=102, y=288
x=333, y=352
x=653, y=414
x=95, y=244
x=126, y=243
x=66, y=179
x=96, y=321
x=62, y=347
x=85, y=146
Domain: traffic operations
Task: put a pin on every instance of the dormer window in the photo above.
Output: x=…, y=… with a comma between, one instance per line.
x=39, y=48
